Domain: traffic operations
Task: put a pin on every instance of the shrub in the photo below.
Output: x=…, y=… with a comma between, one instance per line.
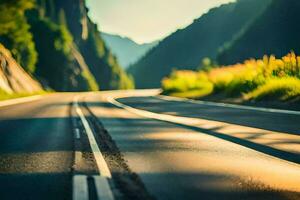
x=267, y=78
x=187, y=81
x=282, y=89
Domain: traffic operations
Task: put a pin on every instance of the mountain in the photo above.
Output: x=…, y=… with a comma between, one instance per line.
x=275, y=31
x=126, y=50
x=13, y=78
x=59, y=45
x=186, y=48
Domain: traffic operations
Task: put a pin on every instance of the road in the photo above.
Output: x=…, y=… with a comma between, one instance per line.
x=154, y=147
x=36, y=149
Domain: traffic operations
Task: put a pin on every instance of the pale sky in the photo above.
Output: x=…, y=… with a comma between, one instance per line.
x=147, y=20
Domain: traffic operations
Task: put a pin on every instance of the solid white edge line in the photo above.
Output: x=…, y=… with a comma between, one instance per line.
x=19, y=100
x=177, y=120
x=228, y=105
x=103, y=185
x=102, y=166
x=80, y=187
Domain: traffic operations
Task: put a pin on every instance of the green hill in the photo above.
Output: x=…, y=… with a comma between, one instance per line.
x=275, y=31
x=185, y=48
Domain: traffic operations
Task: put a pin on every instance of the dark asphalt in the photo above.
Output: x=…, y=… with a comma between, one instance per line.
x=36, y=152
x=285, y=123
x=174, y=162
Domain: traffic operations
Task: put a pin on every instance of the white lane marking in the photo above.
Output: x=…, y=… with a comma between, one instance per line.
x=80, y=187
x=19, y=100
x=77, y=133
x=148, y=114
x=192, y=122
x=227, y=105
x=101, y=164
x=102, y=188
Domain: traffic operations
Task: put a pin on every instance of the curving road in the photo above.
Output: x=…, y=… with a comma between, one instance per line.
x=166, y=148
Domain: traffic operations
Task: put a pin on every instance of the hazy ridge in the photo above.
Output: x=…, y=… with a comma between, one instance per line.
x=126, y=50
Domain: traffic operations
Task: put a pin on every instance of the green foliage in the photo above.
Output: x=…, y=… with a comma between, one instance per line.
x=282, y=89
x=187, y=83
x=14, y=32
x=62, y=17
x=6, y=96
x=53, y=48
x=90, y=80
x=275, y=31
x=206, y=64
x=56, y=63
x=3, y=93
x=264, y=79
x=103, y=65
x=65, y=61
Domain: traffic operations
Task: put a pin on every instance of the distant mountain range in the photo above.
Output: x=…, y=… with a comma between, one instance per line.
x=126, y=50
x=227, y=34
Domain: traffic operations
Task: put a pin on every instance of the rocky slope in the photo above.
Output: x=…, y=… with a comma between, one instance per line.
x=13, y=78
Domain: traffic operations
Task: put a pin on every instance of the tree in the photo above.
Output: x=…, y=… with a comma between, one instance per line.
x=14, y=32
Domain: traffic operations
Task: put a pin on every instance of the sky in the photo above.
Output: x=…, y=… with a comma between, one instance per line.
x=147, y=20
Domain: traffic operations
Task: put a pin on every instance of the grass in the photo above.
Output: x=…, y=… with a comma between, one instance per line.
x=6, y=96
x=188, y=84
x=193, y=94
x=283, y=89
x=266, y=79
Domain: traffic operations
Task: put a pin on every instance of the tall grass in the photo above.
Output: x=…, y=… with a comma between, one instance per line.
x=268, y=78
x=187, y=83
x=277, y=89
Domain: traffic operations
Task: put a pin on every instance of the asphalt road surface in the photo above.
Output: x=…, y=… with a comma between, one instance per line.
x=154, y=147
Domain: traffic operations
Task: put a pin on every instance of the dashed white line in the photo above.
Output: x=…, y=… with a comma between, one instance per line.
x=77, y=133
x=80, y=188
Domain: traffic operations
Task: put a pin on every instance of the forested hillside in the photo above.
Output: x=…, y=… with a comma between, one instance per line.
x=56, y=42
x=185, y=48
x=15, y=34
x=127, y=51
x=275, y=32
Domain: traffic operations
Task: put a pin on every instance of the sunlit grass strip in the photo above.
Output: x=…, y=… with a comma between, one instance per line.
x=7, y=96
x=268, y=78
x=282, y=89
x=188, y=84
x=192, y=94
